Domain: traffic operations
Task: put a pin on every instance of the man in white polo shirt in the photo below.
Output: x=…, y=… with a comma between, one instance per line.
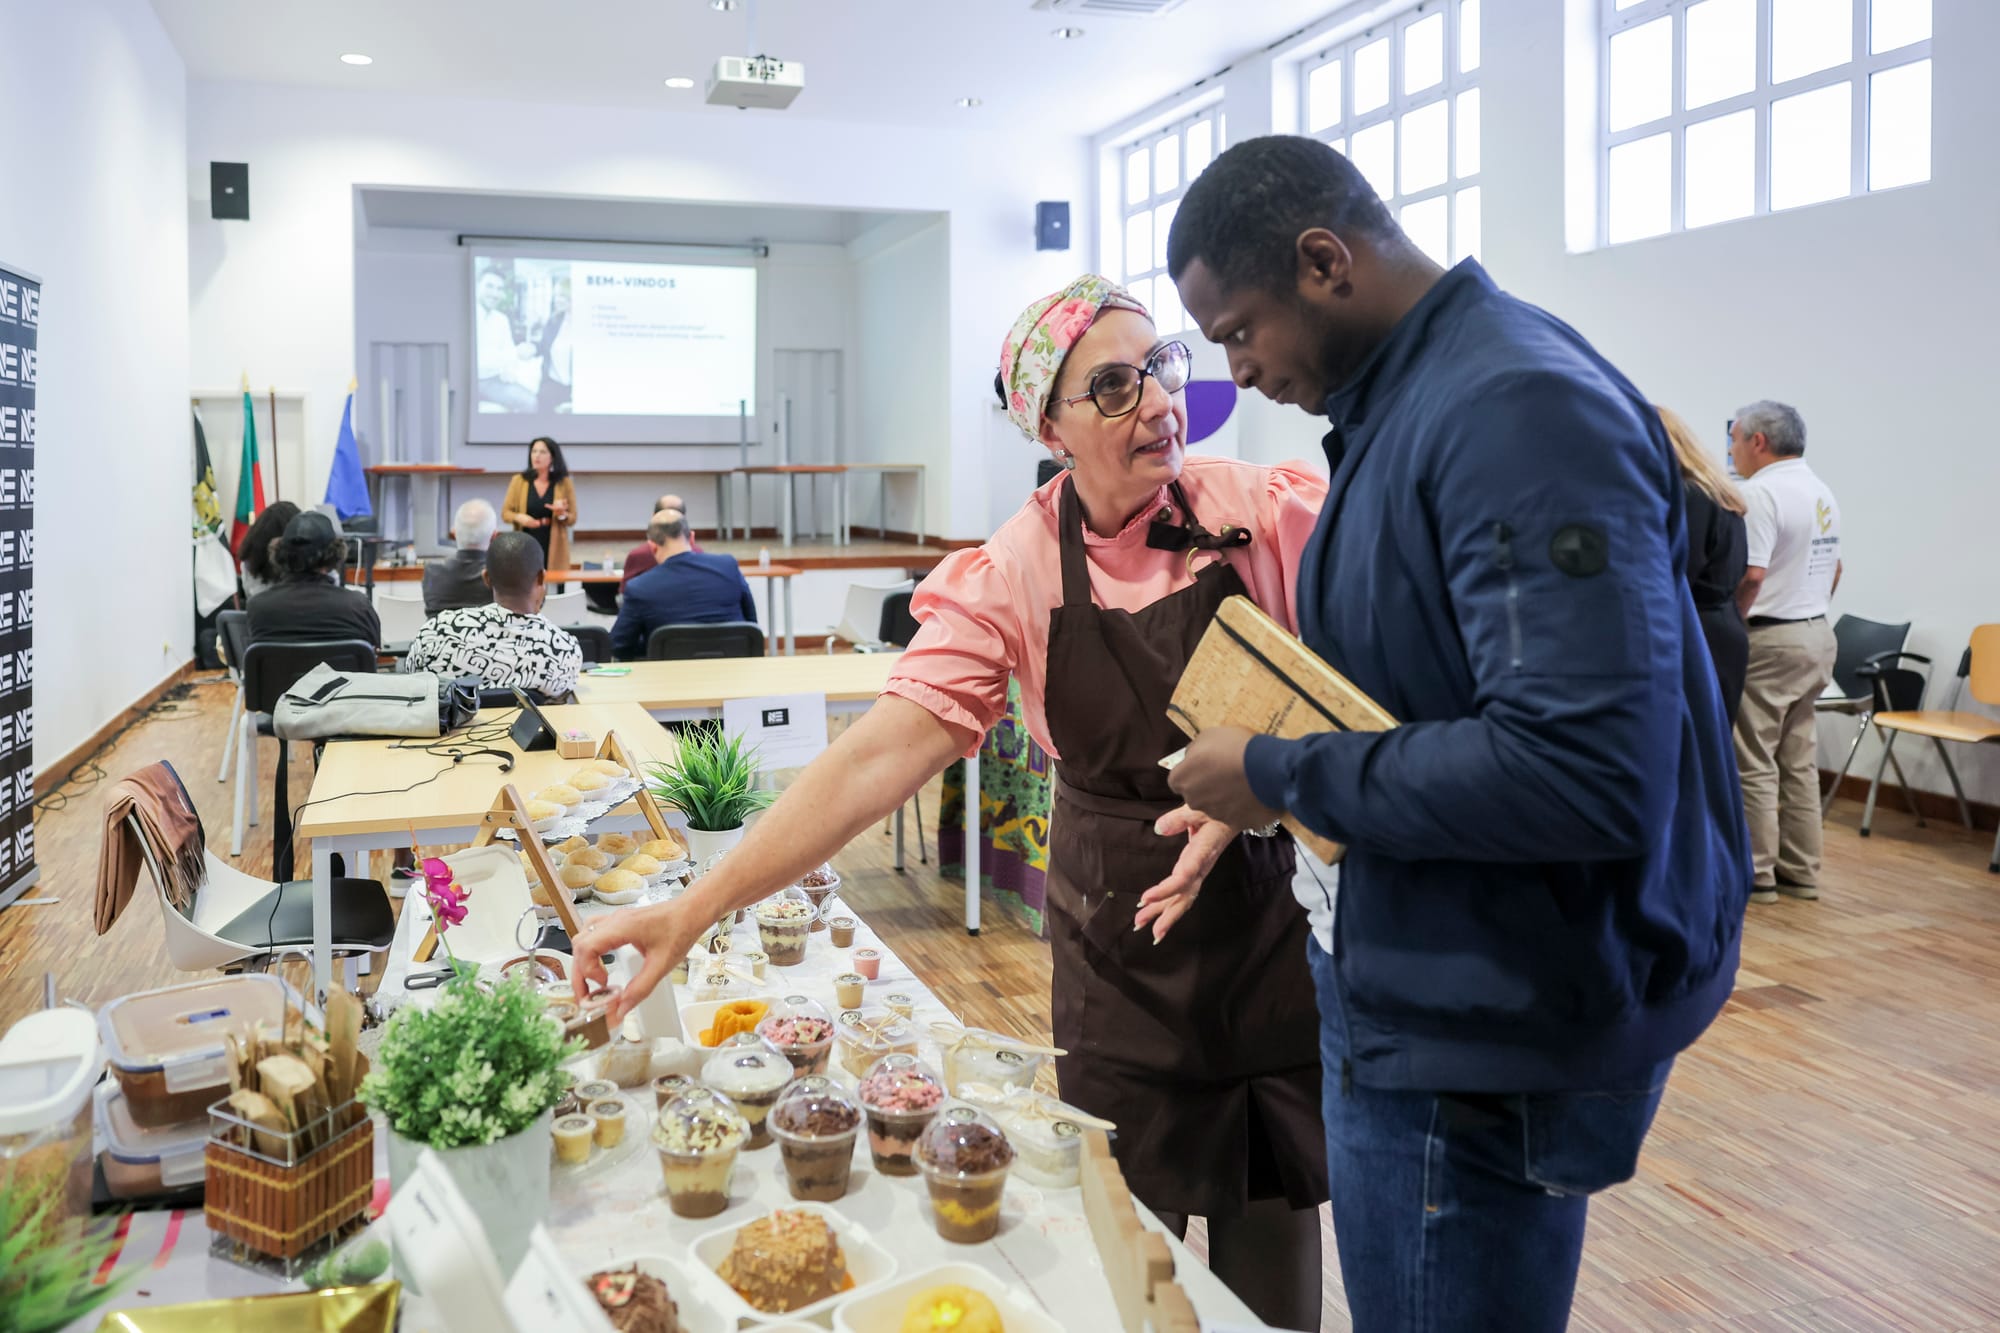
x=1794, y=530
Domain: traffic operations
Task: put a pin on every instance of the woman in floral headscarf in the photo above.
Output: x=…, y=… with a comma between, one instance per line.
x=1201, y=1044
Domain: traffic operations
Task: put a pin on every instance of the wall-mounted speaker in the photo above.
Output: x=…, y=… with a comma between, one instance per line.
x=1052, y=224
x=229, y=190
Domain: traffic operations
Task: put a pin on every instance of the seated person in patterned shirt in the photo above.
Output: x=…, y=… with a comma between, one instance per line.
x=509, y=643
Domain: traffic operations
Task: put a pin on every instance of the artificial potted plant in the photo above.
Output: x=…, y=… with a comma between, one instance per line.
x=713, y=781
x=474, y=1077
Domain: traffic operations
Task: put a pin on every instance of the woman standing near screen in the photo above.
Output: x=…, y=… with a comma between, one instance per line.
x=541, y=501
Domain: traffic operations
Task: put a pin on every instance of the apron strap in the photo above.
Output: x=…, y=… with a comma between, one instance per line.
x=1069, y=537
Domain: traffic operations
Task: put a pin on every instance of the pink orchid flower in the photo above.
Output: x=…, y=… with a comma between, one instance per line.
x=447, y=899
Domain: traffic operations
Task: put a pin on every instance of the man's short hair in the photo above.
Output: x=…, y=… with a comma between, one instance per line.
x=1779, y=423
x=669, y=501
x=474, y=524
x=1242, y=217
x=512, y=562
x=663, y=529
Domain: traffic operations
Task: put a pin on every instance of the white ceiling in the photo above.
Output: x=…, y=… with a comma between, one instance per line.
x=581, y=218
x=873, y=60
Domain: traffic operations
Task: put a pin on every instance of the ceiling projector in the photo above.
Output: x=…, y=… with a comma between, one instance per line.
x=755, y=81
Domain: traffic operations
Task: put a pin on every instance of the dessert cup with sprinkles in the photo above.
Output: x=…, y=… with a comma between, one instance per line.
x=965, y=1159
x=698, y=1137
x=816, y=1123
x=900, y=1098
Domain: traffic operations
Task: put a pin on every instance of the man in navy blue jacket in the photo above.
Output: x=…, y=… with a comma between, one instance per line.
x=687, y=587
x=1547, y=862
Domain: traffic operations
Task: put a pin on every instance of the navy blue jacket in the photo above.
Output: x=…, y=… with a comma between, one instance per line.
x=1547, y=863
x=692, y=588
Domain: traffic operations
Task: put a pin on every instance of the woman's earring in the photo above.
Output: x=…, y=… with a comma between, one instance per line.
x=1067, y=459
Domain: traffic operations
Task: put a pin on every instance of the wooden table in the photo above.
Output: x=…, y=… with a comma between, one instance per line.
x=369, y=795
x=851, y=682
x=842, y=499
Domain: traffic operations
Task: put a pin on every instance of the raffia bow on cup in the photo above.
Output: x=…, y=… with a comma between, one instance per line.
x=1016, y=1104
x=955, y=1040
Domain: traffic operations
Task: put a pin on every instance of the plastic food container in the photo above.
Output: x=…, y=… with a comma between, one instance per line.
x=698, y=1136
x=747, y=1071
x=48, y=1062
x=876, y=1035
x=999, y=1065
x=1050, y=1152
x=965, y=1158
x=816, y=1124
x=900, y=1097
x=803, y=1030
x=784, y=920
x=883, y=1310
x=141, y=1163
x=168, y=1049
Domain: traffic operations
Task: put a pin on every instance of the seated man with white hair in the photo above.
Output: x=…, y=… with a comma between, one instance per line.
x=459, y=580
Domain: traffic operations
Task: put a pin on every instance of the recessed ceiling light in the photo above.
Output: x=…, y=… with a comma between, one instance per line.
x=722, y=6
x=356, y=58
x=679, y=82
x=1067, y=34
x=970, y=102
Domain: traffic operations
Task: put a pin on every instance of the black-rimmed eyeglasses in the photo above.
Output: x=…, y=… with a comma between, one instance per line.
x=1116, y=389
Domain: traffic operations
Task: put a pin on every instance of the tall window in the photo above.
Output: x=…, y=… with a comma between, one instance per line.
x=1156, y=172
x=1721, y=109
x=1402, y=102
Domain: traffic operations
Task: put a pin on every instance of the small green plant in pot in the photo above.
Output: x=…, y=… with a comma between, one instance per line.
x=46, y=1273
x=474, y=1077
x=713, y=781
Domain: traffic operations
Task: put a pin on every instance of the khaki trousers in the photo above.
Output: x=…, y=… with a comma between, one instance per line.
x=1777, y=748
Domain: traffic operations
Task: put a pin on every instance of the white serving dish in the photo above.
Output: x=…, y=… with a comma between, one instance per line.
x=881, y=1310
x=694, y=1297
x=867, y=1263
x=697, y=1017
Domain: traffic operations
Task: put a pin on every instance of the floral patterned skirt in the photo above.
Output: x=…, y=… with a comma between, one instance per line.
x=1014, y=786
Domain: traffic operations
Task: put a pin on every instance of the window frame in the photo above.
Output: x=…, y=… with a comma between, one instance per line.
x=1456, y=82
x=1859, y=70
x=1127, y=274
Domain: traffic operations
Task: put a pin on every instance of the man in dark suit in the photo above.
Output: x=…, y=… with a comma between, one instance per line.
x=685, y=587
x=459, y=580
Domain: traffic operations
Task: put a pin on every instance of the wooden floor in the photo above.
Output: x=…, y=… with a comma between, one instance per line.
x=1828, y=1156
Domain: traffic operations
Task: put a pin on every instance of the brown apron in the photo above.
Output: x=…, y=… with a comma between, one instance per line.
x=1203, y=1048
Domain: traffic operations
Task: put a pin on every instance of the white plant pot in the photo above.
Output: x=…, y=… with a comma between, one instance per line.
x=506, y=1183
x=703, y=844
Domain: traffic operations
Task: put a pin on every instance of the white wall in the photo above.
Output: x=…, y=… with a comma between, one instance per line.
x=1873, y=316
x=903, y=376
x=277, y=294
x=93, y=201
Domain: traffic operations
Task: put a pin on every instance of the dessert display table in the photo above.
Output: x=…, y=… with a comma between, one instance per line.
x=613, y=1211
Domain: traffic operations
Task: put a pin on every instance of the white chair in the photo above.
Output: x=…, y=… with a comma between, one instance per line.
x=861, y=619
x=232, y=632
x=401, y=616
x=232, y=918
x=565, y=608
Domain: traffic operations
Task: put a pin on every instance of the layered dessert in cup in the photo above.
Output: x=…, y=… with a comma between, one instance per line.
x=964, y=1159
x=751, y=1074
x=815, y=1124
x=698, y=1136
x=900, y=1098
x=803, y=1030
x=784, y=920
x=818, y=887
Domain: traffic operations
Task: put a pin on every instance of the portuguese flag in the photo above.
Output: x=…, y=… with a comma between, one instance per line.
x=249, y=477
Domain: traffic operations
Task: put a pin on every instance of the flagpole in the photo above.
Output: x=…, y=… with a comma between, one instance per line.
x=277, y=482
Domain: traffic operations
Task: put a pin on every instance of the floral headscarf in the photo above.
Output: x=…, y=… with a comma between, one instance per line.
x=1042, y=337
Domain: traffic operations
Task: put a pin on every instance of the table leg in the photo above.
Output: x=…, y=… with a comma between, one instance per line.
x=322, y=958
x=791, y=646
x=920, y=506
x=771, y=613
x=899, y=837
x=972, y=845
x=722, y=505
x=791, y=505
x=882, y=499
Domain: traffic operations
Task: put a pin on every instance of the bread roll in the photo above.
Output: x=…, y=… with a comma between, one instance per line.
x=640, y=864
x=590, y=857
x=617, y=881
x=617, y=845
x=588, y=780
x=665, y=849
x=607, y=768
x=574, y=843
x=578, y=877
x=561, y=794
x=540, y=811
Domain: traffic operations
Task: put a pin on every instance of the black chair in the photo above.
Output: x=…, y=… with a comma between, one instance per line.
x=687, y=643
x=1861, y=648
x=898, y=625
x=595, y=640
x=269, y=669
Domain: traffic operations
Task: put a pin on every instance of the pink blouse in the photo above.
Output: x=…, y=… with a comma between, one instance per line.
x=985, y=611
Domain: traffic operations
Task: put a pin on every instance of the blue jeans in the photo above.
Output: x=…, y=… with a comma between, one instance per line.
x=1466, y=1211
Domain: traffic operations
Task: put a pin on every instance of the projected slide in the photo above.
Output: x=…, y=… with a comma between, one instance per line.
x=596, y=338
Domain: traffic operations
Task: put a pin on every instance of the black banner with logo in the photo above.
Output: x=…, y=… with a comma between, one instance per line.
x=20, y=324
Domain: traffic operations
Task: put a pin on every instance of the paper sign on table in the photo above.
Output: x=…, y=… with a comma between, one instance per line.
x=789, y=730
x=442, y=1248
x=547, y=1297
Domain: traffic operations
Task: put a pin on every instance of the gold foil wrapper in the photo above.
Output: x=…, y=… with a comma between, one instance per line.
x=334, y=1310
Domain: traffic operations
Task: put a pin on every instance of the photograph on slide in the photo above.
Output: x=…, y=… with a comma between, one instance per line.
x=523, y=346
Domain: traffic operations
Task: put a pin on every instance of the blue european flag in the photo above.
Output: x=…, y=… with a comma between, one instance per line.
x=347, y=485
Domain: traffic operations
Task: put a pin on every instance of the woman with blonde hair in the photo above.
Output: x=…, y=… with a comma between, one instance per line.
x=1718, y=551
